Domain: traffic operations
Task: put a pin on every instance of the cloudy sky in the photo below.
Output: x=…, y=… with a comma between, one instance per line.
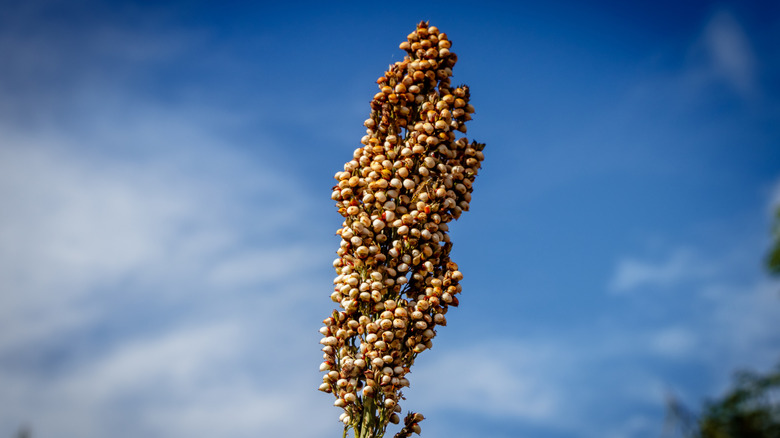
x=167, y=232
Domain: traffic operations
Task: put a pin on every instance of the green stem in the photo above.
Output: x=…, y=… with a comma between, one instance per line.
x=368, y=420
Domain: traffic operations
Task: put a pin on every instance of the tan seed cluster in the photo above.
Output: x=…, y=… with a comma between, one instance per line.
x=412, y=176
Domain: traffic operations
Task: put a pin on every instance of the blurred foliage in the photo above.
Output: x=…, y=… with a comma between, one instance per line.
x=751, y=409
x=24, y=432
x=773, y=259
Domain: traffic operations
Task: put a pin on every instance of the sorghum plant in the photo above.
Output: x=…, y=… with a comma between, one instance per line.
x=395, y=282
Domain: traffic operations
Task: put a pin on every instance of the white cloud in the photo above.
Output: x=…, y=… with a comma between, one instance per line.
x=497, y=379
x=83, y=233
x=743, y=322
x=730, y=53
x=673, y=342
x=75, y=223
x=190, y=381
x=681, y=265
x=135, y=207
x=153, y=264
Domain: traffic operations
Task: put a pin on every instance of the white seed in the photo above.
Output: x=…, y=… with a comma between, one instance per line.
x=350, y=397
x=408, y=184
x=339, y=403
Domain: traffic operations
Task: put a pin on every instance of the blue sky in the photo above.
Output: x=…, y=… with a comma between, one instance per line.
x=167, y=231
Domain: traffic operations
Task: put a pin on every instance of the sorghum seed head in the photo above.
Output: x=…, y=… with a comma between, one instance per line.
x=410, y=177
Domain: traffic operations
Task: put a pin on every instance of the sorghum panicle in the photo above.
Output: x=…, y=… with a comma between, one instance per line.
x=412, y=176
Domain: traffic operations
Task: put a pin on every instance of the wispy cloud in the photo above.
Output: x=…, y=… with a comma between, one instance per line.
x=632, y=273
x=93, y=241
x=730, y=53
x=153, y=269
x=497, y=379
